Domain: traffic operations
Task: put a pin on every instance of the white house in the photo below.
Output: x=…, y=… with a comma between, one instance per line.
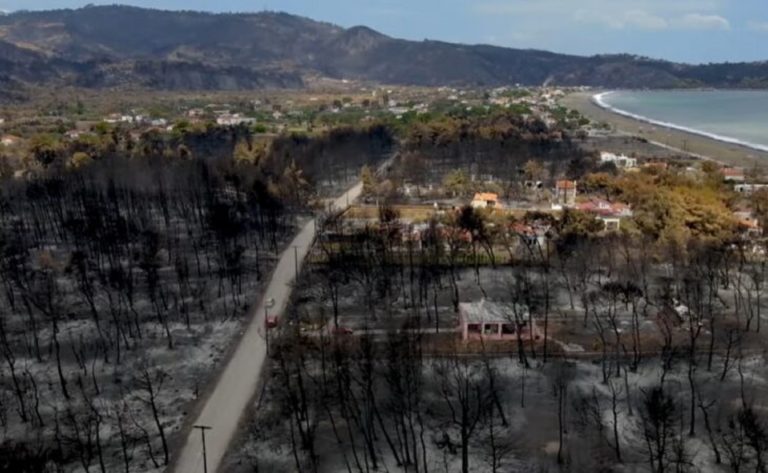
x=749, y=189
x=621, y=161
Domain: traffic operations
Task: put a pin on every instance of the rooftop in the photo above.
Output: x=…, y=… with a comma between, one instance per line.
x=605, y=208
x=732, y=172
x=486, y=196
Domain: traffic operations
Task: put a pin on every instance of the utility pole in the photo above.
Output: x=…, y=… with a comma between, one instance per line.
x=296, y=261
x=203, y=428
x=266, y=327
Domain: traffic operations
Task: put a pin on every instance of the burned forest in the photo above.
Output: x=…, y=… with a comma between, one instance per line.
x=126, y=280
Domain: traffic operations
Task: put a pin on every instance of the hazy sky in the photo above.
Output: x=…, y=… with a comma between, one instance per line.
x=682, y=30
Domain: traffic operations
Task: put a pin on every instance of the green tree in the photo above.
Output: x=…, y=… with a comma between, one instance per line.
x=79, y=160
x=456, y=182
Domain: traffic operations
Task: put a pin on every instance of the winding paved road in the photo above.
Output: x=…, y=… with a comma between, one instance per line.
x=237, y=385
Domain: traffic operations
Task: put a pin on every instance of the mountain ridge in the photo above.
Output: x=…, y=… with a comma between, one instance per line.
x=121, y=46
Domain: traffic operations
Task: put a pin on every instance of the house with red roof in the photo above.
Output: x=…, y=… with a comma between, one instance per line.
x=733, y=174
x=610, y=213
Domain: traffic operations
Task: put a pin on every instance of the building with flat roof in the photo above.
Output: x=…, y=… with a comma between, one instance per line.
x=488, y=320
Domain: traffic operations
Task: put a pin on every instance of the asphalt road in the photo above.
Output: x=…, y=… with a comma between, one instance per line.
x=238, y=382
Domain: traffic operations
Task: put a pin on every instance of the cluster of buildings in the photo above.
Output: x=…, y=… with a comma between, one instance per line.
x=564, y=197
x=748, y=223
x=135, y=119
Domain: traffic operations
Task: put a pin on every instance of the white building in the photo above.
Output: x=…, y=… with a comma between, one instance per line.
x=621, y=161
x=749, y=189
x=233, y=119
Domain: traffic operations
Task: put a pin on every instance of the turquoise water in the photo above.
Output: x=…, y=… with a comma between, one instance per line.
x=733, y=116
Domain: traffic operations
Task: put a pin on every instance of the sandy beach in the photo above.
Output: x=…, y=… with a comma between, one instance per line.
x=684, y=142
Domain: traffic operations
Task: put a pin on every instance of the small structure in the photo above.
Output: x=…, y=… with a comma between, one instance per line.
x=749, y=224
x=733, y=174
x=9, y=140
x=73, y=134
x=565, y=192
x=485, y=200
x=489, y=320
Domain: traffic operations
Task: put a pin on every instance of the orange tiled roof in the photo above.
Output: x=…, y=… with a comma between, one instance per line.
x=566, y=184
x=486, y=196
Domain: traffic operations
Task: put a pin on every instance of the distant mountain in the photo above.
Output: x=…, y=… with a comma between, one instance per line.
x=119, y=46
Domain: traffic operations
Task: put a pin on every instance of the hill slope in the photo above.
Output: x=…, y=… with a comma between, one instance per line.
x=117, y=46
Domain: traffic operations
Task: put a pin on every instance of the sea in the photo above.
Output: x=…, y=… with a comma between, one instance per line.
x=732, y=116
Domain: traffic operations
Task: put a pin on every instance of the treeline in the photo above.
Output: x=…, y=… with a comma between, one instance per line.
x=339, y=152
x=495, y=146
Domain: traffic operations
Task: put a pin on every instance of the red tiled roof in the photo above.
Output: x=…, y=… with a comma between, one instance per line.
x=732, y=172
x=603, y=207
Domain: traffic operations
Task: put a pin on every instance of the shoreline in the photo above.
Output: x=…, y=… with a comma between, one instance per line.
x=667, y=135
x=598, y=100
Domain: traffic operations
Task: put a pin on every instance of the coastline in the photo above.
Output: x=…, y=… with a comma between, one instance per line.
x=666, y=135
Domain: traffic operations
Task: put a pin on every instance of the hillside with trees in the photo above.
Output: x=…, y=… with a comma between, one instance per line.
x=120, y=46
